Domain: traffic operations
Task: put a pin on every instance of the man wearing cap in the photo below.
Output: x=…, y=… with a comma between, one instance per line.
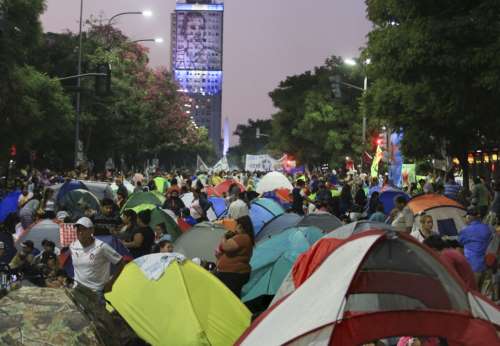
x=92, y=259
x=475, y=238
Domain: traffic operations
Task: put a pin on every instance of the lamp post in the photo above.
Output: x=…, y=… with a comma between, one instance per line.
x=78, y=84
x=156, y=40
x=145, y=13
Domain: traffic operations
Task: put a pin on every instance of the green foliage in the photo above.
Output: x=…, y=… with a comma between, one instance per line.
x=248, y=141
x=437, y=73
x=310, y=123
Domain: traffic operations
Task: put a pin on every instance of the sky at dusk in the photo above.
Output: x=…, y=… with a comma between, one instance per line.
x=264, y=40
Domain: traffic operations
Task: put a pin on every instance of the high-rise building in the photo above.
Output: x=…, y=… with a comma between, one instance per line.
x=196, y=60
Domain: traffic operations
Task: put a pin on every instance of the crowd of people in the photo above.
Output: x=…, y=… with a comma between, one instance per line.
x=354, y=197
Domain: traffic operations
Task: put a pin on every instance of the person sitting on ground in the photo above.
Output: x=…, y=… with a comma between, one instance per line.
x=378, y=215
x=233, y=255
x=160, y=230
x=402, y=217
x=61, y=280
x=142, y=238
x=453, y=258
x=23, y=260
x=425, y=229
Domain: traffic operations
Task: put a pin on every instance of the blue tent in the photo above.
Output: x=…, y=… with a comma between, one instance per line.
x=263, y=210
x=67, y=187
x=387, y=199
x=9, y=204
x=273, y=258
x=219, y=205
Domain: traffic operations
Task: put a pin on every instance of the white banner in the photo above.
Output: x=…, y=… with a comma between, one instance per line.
x=221, y=166
x=261, y=163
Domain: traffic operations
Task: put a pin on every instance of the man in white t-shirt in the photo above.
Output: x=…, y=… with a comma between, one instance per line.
x=403, y=217
x=92, y=259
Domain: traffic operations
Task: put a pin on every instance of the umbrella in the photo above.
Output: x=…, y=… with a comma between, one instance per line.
x=272, y=260
x=139, y=198
x=200, y=241
x=44, y=316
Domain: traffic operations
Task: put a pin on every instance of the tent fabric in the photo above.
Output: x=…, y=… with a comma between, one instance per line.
x=272, y=260
x=277, y=225
x=44, y=316
x=262, y=210
x=357, y=227
x=448, y=215
x=223, y=187
x=200, y=241
x=139, y=198
x=62, y=189
x=377, y=277
x=387, y=199
x=44, y=229
x=325, y=222
x=8, y=205
x=204, y=311
x=272, y=181
x=77, y=201
x=158, y=216
x=218, y=205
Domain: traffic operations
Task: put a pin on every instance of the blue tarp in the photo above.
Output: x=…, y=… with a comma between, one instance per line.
x=9, y=204
x=262, y=210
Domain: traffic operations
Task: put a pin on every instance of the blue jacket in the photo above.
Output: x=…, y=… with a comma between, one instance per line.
x=475, y=239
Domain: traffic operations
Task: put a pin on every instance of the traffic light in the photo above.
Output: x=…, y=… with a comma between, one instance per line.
x=13, y=150
x=103, y=83
x=335, y=82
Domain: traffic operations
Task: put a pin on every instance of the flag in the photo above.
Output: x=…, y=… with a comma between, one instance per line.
x=408, y=174
x=201, y=166
x=221, y=166
x=67, y=234
x=376, y=161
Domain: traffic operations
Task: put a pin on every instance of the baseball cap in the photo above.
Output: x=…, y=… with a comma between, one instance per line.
x=84, y=222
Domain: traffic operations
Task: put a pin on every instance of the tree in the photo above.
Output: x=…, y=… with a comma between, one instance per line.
x=311, y=123
x=437, y=73
x=248, y=141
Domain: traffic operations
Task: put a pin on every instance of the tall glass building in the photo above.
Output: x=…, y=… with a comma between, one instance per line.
x=196, y=60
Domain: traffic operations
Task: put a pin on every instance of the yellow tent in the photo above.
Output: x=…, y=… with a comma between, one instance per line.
x=186, y=306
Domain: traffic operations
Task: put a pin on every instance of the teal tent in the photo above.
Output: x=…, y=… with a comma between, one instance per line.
x=273, y=258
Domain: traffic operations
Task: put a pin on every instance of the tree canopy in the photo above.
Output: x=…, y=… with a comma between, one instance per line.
x=437, y=73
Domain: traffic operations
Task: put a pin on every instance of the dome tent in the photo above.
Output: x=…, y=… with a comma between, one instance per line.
x=273, y=181
x=370, y=286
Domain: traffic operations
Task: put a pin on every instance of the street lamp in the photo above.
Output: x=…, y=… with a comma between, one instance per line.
x=145, y=13
x=156, y=40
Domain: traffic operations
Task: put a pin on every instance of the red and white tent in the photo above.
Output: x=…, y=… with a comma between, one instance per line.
x=374, y=285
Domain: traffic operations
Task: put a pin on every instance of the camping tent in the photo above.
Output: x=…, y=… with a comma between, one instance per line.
x=387, y=196
x=273, y=258
x=62, y=189
x=44, y=316
x=188, y=198
x=272, y=181
x=370, y=286
x=138, y=198
x=325, y=222
x=159, y=215
x=223, y=187
x=44, y=229
x=9, y=204
x=448, y=215
x=219, y=206
x=357, y=227
x=77, y=201
x=186, y=305
x=263, y=210
x=200, y=241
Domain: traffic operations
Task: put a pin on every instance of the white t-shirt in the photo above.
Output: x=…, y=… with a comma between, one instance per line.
x=92, y=264
x=237, y=209
x=403, y=220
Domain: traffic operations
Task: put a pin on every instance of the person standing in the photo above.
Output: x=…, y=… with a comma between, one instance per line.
x=480, y=197
x=475, y=238
x=298, y=196
x=238, y=207
x=234, y=254
x=402, y=215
